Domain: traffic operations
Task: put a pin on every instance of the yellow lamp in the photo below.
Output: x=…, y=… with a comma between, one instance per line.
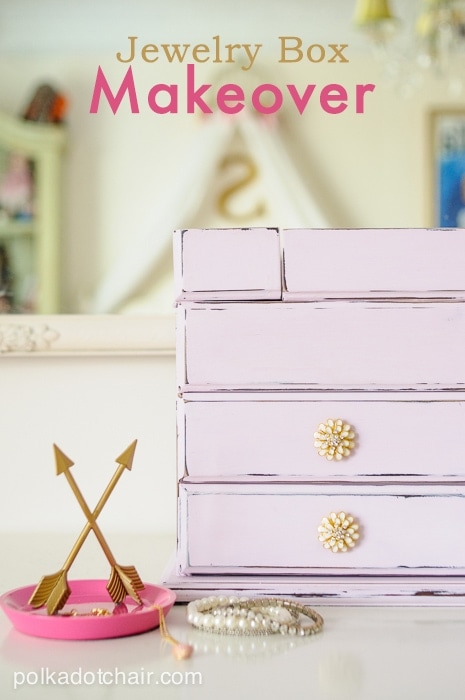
x=371, y=12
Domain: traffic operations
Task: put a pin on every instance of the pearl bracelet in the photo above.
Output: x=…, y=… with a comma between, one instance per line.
x=252, y=616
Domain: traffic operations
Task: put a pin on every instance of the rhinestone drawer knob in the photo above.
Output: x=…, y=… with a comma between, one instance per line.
x=338, y=532
x=334, y=439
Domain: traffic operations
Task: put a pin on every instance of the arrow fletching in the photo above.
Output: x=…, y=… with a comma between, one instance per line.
x=53, y=591
x=124, y=581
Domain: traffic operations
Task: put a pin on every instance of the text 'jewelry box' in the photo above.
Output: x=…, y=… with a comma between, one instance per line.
x=321, y=406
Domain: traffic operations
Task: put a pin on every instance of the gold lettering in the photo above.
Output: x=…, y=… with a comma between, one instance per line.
x=295, y=48
x=320, y=53
x=149, y=49
x=338, y=53
x=132, y=47
x=200, y=48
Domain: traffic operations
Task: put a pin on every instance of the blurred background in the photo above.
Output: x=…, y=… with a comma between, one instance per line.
x=99, y=194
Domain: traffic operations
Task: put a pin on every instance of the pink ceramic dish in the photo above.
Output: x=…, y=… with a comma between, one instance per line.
x=127, y=618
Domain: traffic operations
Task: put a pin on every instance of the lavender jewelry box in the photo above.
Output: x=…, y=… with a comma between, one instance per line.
x=279, y=335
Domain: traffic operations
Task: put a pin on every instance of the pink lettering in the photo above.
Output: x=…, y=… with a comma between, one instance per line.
x=194, y=97
x=171, y=107
x=230, y=93
x=274, y=106
x=301, y=101
x=333, y=93
x=360, y=95
x=101, y=85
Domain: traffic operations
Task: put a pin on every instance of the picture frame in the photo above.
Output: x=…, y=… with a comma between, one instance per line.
x=447, y=140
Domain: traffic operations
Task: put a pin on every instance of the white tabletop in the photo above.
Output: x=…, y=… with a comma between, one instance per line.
x=363, y=652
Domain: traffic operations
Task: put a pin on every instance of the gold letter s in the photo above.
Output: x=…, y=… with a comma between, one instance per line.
x=250, y=174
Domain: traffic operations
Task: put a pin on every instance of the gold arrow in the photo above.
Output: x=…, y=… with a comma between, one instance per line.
x=53, y=589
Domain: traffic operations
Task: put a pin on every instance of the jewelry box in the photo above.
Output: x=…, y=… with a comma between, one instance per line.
x=320, y=411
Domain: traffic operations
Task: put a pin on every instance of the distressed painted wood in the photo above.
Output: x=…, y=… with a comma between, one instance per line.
x=221, y=264
x=368, y=326
x=334, y=344
x=337, y=590
x=382, y=262
x=272, y=435
x=272, y=528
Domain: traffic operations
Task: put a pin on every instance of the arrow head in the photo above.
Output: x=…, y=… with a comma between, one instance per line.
x=63, y=463
x=126, y=457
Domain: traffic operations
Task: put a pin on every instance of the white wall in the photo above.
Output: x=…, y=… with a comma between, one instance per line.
x=366, y=170
x=92, y=407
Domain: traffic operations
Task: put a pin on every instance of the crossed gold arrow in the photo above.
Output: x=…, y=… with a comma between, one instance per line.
x=53, y=589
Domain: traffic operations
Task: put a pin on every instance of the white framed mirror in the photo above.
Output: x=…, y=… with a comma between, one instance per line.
x=63, y=335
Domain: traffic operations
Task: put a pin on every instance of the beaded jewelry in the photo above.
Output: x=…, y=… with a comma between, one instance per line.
x=252, y=616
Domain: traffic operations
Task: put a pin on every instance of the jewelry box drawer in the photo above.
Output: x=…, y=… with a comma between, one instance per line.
x=274, y=528
x=227, y=264
x=372, y=262
x=392, y=435
x=245, y=263
x=333, y=344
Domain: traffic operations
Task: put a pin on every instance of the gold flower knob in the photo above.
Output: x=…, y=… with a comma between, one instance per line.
x=334, y=439
x=338, y=532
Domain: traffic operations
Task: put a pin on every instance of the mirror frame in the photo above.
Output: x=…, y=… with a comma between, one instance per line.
x=61, y=335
